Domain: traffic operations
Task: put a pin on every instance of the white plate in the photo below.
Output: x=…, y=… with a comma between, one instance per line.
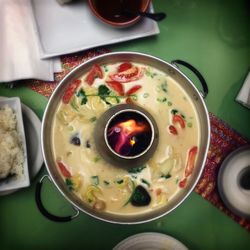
x=32, y=127
x=233, y=194
x=150, y=241
x=68, y=28
x=23, y=180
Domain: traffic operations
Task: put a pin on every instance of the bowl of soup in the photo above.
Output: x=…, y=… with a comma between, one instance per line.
x=118, y=13
x=175, y=122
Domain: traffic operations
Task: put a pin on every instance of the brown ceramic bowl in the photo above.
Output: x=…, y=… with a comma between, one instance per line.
x=118, y=13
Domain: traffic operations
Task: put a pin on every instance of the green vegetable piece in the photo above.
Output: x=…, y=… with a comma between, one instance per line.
x=97, y=158
x=81, y=93
x=166, y=176
x=170, y=103
x=145, y=182
x=190, y=124
x=145, y=95
x=136, y=170
x=70, y=184
x=74, y=105
x=174, y=111
x=140, y=197
x=164, y=87
x=93, y=119
x=119, y=181
x=106, y=182
x=103, y=93
x=95, y=180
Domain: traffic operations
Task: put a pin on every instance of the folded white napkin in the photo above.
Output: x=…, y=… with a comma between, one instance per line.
x=243, y=96
x=19, y=50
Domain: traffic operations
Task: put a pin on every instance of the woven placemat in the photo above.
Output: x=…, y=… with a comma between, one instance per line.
x=224, y=139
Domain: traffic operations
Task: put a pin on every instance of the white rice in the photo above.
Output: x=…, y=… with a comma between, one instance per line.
x=11, y=151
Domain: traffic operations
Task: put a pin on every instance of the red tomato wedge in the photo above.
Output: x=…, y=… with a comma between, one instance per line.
x=180, y=120
x=183, y=183
x=70, y=90
x=133, y=89
x=95, y=72
x=190, y=162
x=124, y=66
x=118, y=87
x=129, y=75
x=65, y=172
x=172, y=130
x=129, y=101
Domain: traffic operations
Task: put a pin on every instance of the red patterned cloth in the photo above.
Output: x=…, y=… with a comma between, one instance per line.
x=223, y=138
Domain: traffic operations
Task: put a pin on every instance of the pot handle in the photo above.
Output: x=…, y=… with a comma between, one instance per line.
x=44, y=211
x=196, y=72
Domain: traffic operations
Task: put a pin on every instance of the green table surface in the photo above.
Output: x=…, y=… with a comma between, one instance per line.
x=214, y=37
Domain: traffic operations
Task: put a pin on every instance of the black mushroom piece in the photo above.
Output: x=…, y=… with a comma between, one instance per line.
x=75, y=140
x=140, y=197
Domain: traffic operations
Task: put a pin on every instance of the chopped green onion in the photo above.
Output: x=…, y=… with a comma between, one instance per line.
x=145, y=182
x=70, y=184
x=166, y=176
x=190, y=124
x=97, y=158
x=145, y=95
x=136, y=170
x=119, y=181
x=106, y=182
x=93, y=119
x=174, y=111
x=95, y=180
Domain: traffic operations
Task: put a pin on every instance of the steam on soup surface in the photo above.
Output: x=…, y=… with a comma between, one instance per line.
x=113, y=189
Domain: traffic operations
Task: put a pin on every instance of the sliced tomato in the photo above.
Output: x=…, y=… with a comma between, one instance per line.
x=183, y=183
x=129, y=101
x=95, y=72
x=132, y=74
x=172, y=130
x=124, y=66
x=118, y=87
x=65, y=172
x=70, y=90
x=133, y=89
x=190, y=162
x=180, y=120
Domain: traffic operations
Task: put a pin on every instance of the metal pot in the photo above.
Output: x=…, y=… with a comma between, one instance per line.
x=46, y=135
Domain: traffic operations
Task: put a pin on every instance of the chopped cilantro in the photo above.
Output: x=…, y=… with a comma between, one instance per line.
x=170, y=103
x=81, y=93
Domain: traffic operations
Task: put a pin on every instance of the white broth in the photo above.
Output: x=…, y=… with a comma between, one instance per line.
x=109, y=188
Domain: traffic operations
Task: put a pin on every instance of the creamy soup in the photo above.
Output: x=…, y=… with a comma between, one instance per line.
x=110, y=188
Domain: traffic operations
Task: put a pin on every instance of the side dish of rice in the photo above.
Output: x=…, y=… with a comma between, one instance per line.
x=11, y=149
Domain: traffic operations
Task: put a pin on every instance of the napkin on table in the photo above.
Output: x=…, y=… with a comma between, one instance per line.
x=243, y=96
x=19, y=50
